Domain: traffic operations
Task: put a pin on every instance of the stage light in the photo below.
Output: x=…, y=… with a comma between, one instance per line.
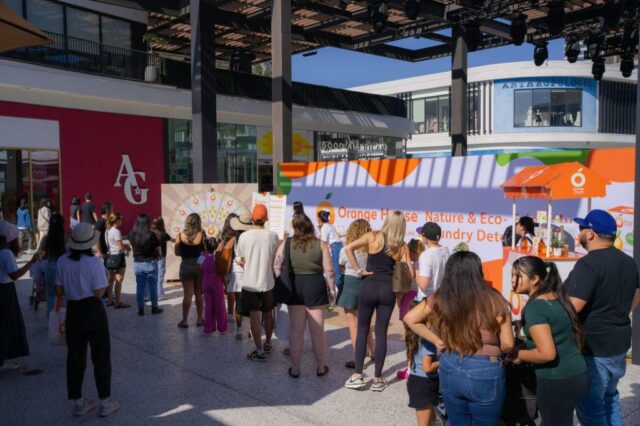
x=540, y=54
x=612, y=12
x=412, y=9
x=630, y=39
x=518, y=29
x=378, y=14
x=572, y=50
x=626, y=66
x=472, y=35
x=555, y=17
x=597, y=69
x=594, y=44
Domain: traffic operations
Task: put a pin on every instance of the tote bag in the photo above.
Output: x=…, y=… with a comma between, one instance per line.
x=284, y=289
x=57, y=318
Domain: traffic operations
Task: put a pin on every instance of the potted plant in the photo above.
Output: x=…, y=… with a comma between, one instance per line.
x=557, y=245
x=153, y=65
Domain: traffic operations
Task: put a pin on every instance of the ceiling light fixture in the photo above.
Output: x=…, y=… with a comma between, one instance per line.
x=540, y=54
x=518, y=29
x=555, y=17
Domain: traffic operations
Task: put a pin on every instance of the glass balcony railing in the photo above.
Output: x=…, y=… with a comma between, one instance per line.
x=90, y=57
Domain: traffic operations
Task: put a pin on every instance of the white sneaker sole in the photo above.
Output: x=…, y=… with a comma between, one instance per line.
x=356, y=386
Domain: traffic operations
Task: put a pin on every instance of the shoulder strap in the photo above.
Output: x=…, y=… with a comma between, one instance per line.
x=287, y=254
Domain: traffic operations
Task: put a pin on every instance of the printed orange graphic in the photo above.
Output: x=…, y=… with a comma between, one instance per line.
x=617, y=165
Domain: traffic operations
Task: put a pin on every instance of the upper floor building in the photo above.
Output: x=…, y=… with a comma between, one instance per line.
x=516, y=106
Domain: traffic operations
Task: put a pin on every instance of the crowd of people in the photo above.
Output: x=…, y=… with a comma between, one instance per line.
x=461, y=339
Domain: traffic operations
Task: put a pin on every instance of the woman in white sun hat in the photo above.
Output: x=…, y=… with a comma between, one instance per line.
x=13, y=336
x=82, y=279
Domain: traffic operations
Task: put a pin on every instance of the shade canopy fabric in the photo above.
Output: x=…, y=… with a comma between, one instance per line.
x=556, y=182
x=16, y=32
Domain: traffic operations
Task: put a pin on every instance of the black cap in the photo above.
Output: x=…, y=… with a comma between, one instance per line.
x=431, y=231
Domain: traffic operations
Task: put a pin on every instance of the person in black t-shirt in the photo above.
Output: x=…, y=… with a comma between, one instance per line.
x=604, y=290
x=146, y=250
x=88, y=210
x=101, y=226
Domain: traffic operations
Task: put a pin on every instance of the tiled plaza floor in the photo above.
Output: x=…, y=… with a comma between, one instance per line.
x=166, y=375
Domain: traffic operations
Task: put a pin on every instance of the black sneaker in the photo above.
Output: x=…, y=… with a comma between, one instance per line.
x=255, y=356
x=141, y=311
x=156, y=310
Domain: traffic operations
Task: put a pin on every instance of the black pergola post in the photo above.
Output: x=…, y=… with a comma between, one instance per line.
x=635, y=340
x=204, y=134
x=459, y=104
x=281, y=121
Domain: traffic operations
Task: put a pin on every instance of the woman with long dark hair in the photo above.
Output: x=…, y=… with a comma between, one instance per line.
x=554, y=340
x=81, y=279
x=311, y=262
x=189, y=246
x=74, y=212
x=159, y=229
x=526, y=230
x=146, y=250
x=471, y=323
x=233, y=279
x=54, y=246
x=384, y=248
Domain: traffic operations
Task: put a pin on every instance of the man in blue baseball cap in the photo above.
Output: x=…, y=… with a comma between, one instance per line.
x=604, y=290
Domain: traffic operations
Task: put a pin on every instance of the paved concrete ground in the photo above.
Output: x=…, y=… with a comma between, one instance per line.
x=166, y=375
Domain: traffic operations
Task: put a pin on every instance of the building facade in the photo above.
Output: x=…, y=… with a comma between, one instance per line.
x=95, y=111
x=517, y=106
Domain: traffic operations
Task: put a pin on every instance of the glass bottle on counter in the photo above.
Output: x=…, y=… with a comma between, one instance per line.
x=542, y=248
x=524, y=245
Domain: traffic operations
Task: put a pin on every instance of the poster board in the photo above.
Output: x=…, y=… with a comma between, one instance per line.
x=462, y=194
x=213, y=202
x=276, y=208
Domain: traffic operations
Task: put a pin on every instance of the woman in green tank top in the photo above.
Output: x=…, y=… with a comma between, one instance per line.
x=555, y=340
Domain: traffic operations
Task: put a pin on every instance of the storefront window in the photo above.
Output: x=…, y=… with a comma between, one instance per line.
x=83, y=25
x=418, y=114
x=548, y=108
x=344, y=147
x=237, y=154
x=116, y=32
x=30, y=174
x=179, y=168
x=16, y=5
x=443, y=114
x=46, y=15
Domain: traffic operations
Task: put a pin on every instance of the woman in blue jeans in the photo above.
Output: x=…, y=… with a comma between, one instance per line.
x=53, y=245
x=146, y=251
x=470, y=323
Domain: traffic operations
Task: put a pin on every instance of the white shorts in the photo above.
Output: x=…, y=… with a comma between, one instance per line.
x=234, y=282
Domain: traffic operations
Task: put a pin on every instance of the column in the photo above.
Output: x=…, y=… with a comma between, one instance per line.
x=204, y=135
x=459, y=103
x=281, y=122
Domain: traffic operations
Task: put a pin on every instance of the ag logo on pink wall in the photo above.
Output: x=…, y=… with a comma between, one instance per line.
x=132, y=191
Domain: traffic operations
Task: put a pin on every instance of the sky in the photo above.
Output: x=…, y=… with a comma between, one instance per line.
x=344, y=68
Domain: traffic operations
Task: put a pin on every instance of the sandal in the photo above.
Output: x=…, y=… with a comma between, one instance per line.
x=294, y=376
x=121, y=306
x=183, y=325
x=267, y=348
x=326, y=370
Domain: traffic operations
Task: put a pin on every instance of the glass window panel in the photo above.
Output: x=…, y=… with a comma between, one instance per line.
x=523, y=115
x=540, y=107
x=116, y=32
x=180, y=166
x=83, y=25
x=573, y=111
x=46, y=178
x=16, y=5
x=443, y=114
x=46, y=15
x=431, y=115
x=237, y=154
x=418, y=114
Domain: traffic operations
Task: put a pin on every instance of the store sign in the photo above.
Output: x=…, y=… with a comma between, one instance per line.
x=132, y=191
x=362, y=148
x=546, y=82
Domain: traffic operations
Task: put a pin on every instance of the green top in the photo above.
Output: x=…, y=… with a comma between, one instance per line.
x=569, y=361
x=309, y=261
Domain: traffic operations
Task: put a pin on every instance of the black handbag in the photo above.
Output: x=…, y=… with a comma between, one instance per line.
x=115, y=261
x=284, y=289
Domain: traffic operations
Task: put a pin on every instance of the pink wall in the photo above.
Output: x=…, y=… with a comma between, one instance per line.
x=92, y=145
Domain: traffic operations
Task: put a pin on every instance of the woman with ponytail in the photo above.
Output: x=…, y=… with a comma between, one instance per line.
x=555, y=340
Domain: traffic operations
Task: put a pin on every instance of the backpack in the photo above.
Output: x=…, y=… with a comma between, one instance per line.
x=224, y=258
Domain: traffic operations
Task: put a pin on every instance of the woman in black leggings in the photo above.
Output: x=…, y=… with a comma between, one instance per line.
x=385, y=248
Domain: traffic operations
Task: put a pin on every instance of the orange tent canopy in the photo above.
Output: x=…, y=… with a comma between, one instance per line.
x=16, y=32
x=556, y=182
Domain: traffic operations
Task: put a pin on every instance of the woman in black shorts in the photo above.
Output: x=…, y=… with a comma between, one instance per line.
x=189, y=246
x=385, y=248
x=310, y=262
